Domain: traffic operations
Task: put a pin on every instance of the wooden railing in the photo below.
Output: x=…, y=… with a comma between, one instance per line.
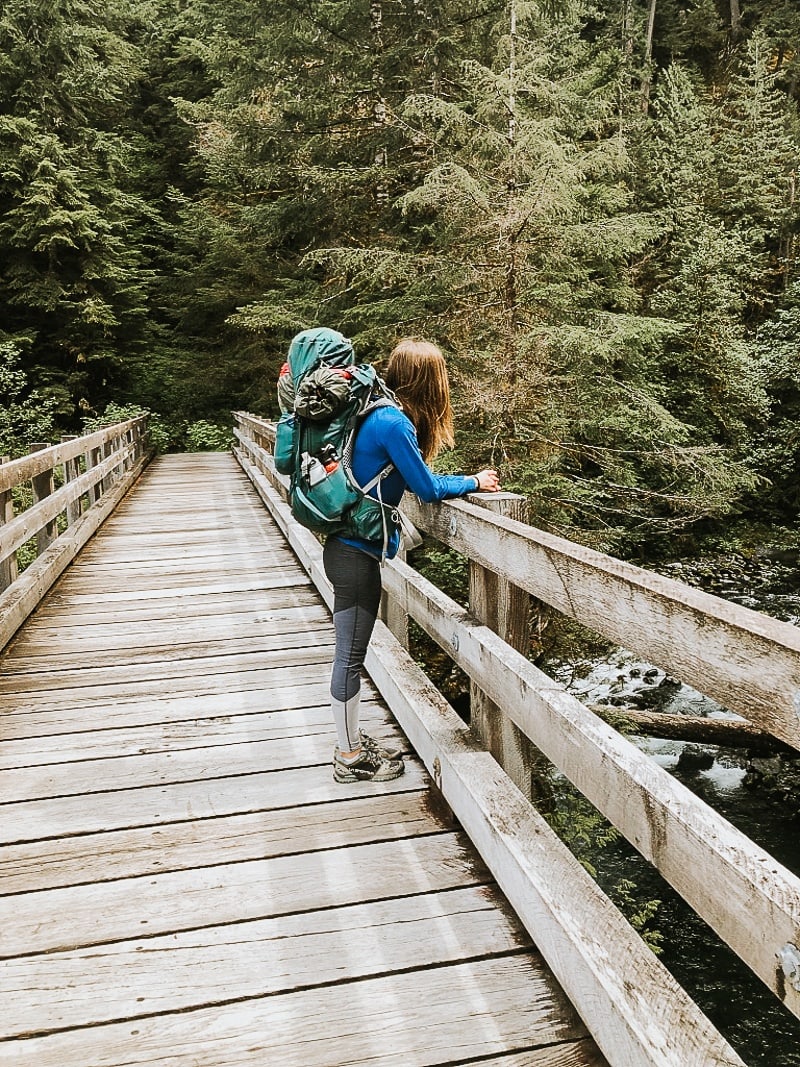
x=52, y=501
x=634, y=1009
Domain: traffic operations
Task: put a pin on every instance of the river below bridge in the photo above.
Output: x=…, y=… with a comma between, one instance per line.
x=760, y=797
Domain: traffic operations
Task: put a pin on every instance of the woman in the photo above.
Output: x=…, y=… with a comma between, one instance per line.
x=408, y=439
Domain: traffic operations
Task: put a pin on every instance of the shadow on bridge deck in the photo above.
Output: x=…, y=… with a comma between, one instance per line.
x=183, y=882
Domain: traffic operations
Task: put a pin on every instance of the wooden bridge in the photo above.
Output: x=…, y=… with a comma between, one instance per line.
x=182, y=881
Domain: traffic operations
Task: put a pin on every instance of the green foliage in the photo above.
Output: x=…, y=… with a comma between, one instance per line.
x=598, y=229
x=777, y=456
x=25, y=416
x=756, y=166
x=448, y=570
x=202, y=436
x=158, y=432
x=639, y=913
x=74, y=278
x=624, y=414
x=588, y=834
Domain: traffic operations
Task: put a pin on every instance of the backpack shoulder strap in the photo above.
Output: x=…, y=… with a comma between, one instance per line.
x=372, y=403
x=376, y=480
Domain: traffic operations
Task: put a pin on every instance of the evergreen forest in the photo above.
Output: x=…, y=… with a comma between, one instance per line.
x=592, y=206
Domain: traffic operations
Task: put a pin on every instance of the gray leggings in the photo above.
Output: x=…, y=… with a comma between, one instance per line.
x=356, y=580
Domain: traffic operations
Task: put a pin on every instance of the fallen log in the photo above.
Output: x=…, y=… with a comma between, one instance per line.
x=730, y=733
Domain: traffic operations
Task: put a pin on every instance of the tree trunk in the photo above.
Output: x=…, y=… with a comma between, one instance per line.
x=510, y=295
x=512, y=72
x=788, y=240
x=648, y=57
x=736, y=20
x=626, y=43
x=731, y=733
x=379, y=103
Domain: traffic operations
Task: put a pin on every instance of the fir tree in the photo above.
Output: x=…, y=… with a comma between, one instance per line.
x=699, y=279
x=72, y=280
x=777, y=455
x=756, y=166
x=519, y=252
x=302, y=152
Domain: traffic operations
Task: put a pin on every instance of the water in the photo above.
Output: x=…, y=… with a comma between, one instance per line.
x=761, y=1030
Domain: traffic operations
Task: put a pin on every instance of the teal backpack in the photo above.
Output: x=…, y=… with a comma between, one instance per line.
x=324, y=396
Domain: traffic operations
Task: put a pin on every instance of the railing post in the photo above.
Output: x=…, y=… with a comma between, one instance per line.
x=505, y=609
x=71, y=471
x=43, y=486
x=135, y=438
x=260, y=438
x=91, y=459
x=109, y=448
x=392, y=614
x=8, y=567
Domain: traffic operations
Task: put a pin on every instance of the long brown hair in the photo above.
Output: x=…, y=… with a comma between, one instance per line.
x=417, y=374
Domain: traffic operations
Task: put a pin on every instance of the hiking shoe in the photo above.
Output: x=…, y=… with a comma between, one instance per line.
x=370, y=766
x=375, y=746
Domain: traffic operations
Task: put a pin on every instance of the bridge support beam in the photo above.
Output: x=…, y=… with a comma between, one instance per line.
x=505, y=609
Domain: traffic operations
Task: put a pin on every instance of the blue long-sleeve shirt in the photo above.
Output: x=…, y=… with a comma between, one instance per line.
x=387, y=436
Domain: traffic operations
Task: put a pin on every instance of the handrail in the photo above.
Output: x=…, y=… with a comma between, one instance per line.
x=747, y=661
x=96, y=470
x=693, y=847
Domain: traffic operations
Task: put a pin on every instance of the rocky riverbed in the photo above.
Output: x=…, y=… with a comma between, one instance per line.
x=621, y=679
x=759, y=795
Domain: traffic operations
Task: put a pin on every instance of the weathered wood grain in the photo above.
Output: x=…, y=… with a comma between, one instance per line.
x=255, y=958
x=20, y=599
x=168, y=899
x=184, y=801
x=194, y=588
x=440, y=1016
x=149, y=585
x=196, y=733
x=117, y=637
x=267, y=669
x=22, y=470
x=634, y=1008
x=96, y=914
x=747, y=661
x=59, y=614
x=312, y=748
x=8, y=565
x=693, y=847
x=39, y=519
x=274, y=693
x=156, y=651
x=229, y=559
x=637, y=1012
x=505, y=609
x=574, y=1054
x=259, y=834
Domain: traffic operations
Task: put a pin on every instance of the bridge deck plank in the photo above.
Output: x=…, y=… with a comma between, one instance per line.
x=245, y=835
x=181, y=881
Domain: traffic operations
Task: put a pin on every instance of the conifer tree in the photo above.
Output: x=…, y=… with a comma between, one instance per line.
x=678, y=159
x=302, y=152
x=777, y=455
x=699, y=280
x=756, y=163
x=517, y=251
x=779, y=21
x=72, y=280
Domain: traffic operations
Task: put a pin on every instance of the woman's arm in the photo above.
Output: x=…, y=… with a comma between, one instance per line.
x=403, y=449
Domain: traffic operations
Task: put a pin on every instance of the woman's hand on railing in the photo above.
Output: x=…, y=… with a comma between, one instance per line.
x=488, y=482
